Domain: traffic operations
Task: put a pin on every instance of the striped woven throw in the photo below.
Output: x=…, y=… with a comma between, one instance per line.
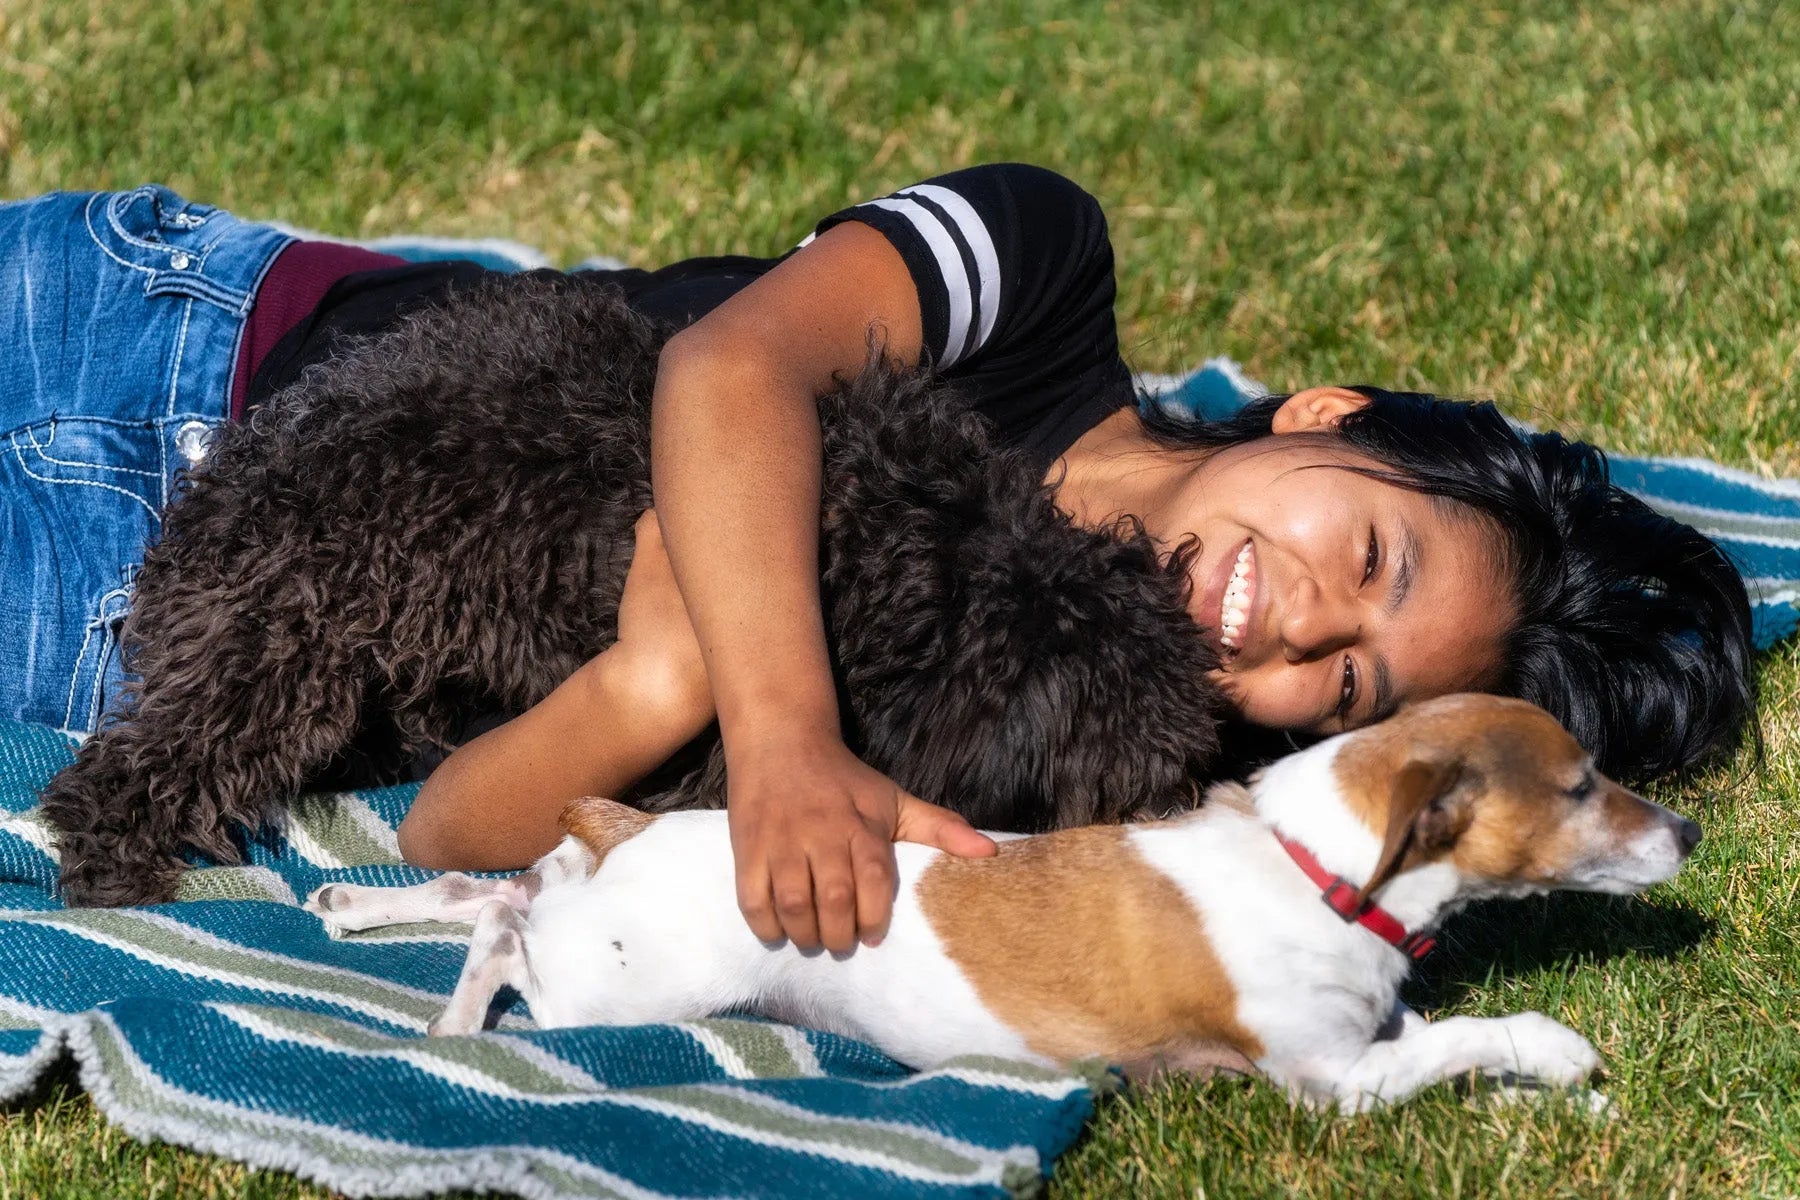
x=230, y=1023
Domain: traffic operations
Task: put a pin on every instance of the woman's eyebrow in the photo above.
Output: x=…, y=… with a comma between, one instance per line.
x=1383, y=706
x=1406, y=568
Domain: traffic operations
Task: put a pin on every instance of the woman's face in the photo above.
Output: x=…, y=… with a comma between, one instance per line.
x=1333, y=597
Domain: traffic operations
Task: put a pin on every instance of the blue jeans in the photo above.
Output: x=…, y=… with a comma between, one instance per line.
x=121, y=318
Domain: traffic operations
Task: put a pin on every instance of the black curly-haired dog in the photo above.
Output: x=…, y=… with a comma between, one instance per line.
x=439, y=521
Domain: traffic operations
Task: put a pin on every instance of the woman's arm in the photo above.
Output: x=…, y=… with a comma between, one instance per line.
x=494, y=803
x=736, y=465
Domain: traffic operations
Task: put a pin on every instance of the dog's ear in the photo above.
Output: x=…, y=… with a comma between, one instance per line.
x=1427, y=812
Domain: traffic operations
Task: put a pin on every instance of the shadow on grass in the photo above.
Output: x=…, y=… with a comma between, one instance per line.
x=58, y=1087
x=1510, y=938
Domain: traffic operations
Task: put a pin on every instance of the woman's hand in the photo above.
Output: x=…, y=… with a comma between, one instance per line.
x=812, y=832
x=812, y=826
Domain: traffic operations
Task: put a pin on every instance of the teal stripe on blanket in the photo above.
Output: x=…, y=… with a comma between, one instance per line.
x=232, y=1024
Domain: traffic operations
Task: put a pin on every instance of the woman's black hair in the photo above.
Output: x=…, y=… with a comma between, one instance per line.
x=1633, y=629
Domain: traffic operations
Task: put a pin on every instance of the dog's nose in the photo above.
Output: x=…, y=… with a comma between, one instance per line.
x=1688, y=834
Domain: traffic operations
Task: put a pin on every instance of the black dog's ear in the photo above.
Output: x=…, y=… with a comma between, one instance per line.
x=1427, y=811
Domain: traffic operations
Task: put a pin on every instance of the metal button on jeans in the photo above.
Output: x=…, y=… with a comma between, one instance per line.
x=191, y=441
x=179, y=261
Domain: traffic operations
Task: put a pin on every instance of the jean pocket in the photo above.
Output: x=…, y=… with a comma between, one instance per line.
x=79, y=502
x=99, y=668
x=122, y=457
x=155, y=221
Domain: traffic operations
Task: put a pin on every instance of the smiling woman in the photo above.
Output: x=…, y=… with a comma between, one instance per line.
x=1407, y=546
x=1332, y=594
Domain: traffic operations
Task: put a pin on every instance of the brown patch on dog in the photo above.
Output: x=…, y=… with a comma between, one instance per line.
x=601, y=824
x=1477, y=777
x=1541, y=839
x=1427, y=814
x=1075, y=941
x=1537, y=845
x=1627, y=813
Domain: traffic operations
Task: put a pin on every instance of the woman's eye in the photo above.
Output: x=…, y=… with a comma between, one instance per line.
x=1373, y=558
x=1347, y=696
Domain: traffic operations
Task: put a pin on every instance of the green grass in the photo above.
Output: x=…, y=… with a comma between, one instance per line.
x=1586, y=216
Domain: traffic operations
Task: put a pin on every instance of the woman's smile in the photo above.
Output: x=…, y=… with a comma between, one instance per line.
x=1234, y=598
x=1331, y=595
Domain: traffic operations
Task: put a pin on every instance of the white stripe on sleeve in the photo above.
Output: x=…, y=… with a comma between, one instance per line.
x=975, y=233
x=950, y=266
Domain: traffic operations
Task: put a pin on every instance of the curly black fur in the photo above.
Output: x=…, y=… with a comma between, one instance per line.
x=440, y=520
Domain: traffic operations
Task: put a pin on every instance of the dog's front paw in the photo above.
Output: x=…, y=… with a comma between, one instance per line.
x=1537, y=1048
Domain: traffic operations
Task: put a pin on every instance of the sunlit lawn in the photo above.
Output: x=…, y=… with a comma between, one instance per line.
x=1586, y=216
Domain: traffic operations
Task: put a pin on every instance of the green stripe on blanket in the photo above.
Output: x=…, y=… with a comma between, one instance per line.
x=231, y=1023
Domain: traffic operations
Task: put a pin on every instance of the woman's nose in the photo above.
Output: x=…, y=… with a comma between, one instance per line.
x=1317, y=623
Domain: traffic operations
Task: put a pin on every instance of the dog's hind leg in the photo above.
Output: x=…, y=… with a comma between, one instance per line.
x=496, y=957
x=347, y=907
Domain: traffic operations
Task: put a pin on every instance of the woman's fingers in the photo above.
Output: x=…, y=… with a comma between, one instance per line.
x=757, y=902
x=755, y=893
x=835, y=889
x=791, y=880
x=817, y=824
x=933, y=825
x=876, y=875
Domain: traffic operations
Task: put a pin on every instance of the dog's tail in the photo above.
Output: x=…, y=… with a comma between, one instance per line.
x=601, y=824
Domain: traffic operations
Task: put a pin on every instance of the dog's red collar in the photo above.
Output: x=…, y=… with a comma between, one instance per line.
x=1340, y=898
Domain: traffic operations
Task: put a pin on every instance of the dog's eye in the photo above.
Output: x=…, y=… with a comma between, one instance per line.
x=1582, y=790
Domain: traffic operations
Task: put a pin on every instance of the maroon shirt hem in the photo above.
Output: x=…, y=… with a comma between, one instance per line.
x=295, y=283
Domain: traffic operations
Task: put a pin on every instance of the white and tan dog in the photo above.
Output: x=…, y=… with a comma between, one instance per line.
x=1269, y=929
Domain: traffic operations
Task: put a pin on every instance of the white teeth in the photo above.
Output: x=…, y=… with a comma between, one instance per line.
x=1234, y=609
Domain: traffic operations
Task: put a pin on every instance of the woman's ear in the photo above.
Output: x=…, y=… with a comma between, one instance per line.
x=1315, y=409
